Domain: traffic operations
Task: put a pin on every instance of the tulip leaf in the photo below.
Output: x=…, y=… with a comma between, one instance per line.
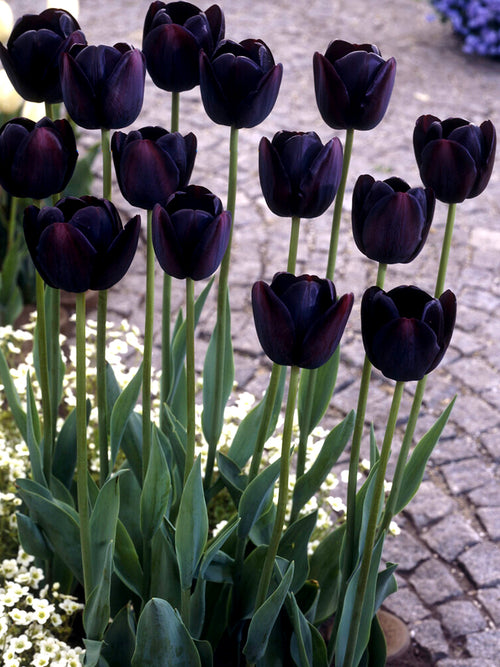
x=243, y=444
x=58, y=522
x=377, y=649
x=204, y=648
x=165, y=575
x=103, y=524
x=126, y=560
x=374, y=452
x=264, y=619
x=215, y=545
x=255, y=498
x=32, y=538
x=162, y=639
x=197, y=608
x=156, y=490
x=119, y=640
x=386, y=585
x=55, y=361
x=12, y=397
x=212, y=423
x=415, y=468
x=333, y=446
x=301, y=645
x=315, y=392
x=293, y=547
x=97, y=608
x=92, y=652
x=33, y=435
x=122, y=410
x=234, y=479
x=64, y=462
x=192, y=527
x=367, y=613
x=325, y=569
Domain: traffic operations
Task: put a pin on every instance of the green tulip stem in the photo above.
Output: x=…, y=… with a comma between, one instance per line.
x=41, y=331
x=106, y=165
x=81, y=445
x=102, y=412
x=445, y=250
x=190, y=378
x=294, y=244
x=222, y=301
x=11, y=234
x=148, y=346
x=378, y=494
x=355, y=452
x=49, y=110
x=339, y=201
x=174, y=117
x=279, y=522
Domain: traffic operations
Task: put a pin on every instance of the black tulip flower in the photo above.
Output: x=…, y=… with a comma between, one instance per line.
x=151, y=164
x=37, y=160
x=298, y=319
x=191, y=233
x=353, y=85
x=174, y=34
x=406, y=331
x=390, y=220
x=31, y=57
x=80, y=243
x=103, y=86
x=298, y=175
x=455, y=157
x=239, y=83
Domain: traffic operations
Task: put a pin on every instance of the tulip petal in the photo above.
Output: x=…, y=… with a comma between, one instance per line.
x=274, y=180
x=377, y=96
x=110, y=266
x=332, y=97
x=168, y=250
x=78, y=94
x=259, y=104
x=321, y=181
x=124, y=91
x=172, y=58
x=207, y=255
x=213, y=97
x=273, y=323
x=448, y=168
x=448, y=303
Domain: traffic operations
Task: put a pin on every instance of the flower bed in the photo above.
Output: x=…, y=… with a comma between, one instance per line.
x=476, y=21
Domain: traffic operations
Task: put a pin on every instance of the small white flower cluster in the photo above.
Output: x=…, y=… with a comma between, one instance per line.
x=33, y=620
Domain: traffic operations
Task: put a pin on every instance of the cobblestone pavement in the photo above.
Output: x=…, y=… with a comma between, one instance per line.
x=448, y=550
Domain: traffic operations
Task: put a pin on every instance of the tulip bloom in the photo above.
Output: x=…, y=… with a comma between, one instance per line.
x=31, y=58
x=37, y=160
x=151, y=164
x=103, y=86
x=239, y=83
x=80, y=244
x=353, y=85
x=455, y=157
x=390, y=220
x=406, y=331
x=173, y=36
x=298, y=175
x=191, y=233
x=298, y=319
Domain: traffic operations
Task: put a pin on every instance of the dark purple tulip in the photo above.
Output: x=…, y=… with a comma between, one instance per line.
x=406, y=331
x=298, y=175
x=455, y=157
x=299, y=320
x=191, y=233
x=31, y=58
x=353, y=85
x=390, y=220
x=151, y=164
x=80, y=244
x=103, y=86
x=36, y=159
x=239, y=83
x=174, y=34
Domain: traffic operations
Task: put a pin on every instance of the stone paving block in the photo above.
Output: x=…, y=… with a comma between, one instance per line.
x=467, y=662
x=429, y=634
x=491, y=441
x=434, y=582
x=404, y=550
x=466, y=475
x=461, y=617
x=482, y=563
x=406, y=606
x=451, y=536
x=484, y=644
x=490, y=599
x=486, y=496
x=490, y=518
x=452, y=449
x=429, y=505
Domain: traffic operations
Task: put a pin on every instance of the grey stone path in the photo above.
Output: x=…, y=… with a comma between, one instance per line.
x=448, y=549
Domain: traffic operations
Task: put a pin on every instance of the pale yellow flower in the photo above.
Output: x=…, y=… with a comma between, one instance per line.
x=6, y=21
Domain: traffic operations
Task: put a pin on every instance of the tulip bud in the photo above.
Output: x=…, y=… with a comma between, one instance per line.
x=36, y=159
x=191, y=233
x=239, y=83
x=31, y=58
x=151, y=164
x=80, y=244
x=298, y=175
x=455, y=157
x=390, y=220
x=406, y=331
x=103, y=86
x=173, y=36
x=353, y=85
x=299, y=320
